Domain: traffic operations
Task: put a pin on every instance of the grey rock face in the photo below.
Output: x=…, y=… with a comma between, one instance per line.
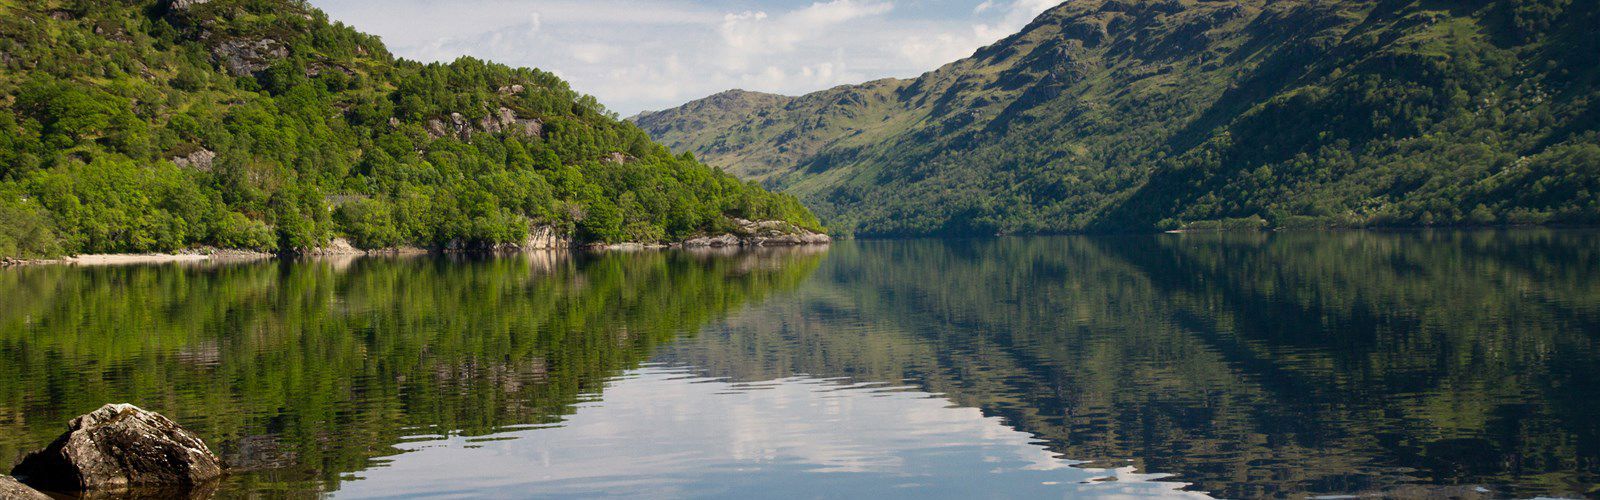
x=546, y=238
x=201, y=160
x=186, y=4
x=248, y=57
x=10, y=489
x=501, y=120
x=505, y=120
x=121, y=447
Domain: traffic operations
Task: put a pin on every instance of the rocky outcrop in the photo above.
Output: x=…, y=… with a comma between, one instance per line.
x=248, y=57
x=505, y=120
x=770, y=233
x=546, y=238
x=501, y=120
x=719, y=241
x=11, y=489
x=186, y=4
x=121, y=447
x=337, y=246
x=200, y=159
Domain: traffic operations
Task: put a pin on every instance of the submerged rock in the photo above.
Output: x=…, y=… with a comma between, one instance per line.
x=118, y=447
x=11, y=489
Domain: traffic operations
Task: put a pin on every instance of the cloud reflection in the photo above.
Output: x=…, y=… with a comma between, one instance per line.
x=662, y=431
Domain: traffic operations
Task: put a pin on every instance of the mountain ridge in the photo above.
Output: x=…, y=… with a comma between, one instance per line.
x=1111, y=115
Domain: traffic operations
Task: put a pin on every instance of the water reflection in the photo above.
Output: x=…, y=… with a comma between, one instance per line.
x=1402, y=364
x=1438, y=364
x=301, y=372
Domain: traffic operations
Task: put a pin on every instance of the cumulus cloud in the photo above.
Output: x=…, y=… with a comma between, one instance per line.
x=651, y=54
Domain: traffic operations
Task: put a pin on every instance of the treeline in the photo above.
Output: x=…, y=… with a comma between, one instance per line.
x=140, y=126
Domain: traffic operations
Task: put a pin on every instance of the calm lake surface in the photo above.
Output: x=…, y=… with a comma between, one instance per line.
x=1426, y=364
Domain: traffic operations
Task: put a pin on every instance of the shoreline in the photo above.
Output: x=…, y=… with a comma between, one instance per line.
x=748, y=235
x=337, y=248
x=129, y=259
x=238, y=256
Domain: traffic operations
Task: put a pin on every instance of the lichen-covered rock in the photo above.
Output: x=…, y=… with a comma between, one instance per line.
x=11, y=489
x=248, y=57
x=506, y=120
x=186, y=4
x=120, y=447
x=500, y=120
x=200, y=159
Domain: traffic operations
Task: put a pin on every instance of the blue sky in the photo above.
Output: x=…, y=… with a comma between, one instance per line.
x=637, y=55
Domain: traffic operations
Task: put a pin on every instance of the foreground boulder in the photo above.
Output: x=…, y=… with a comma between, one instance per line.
x=10, y=489
x=120, y=447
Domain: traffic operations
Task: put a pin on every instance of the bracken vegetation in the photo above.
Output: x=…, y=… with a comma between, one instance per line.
x=1117, y=115
x=157, y=125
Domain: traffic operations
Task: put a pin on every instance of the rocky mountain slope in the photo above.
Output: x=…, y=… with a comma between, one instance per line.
x=1147, y=114
x=158, y=125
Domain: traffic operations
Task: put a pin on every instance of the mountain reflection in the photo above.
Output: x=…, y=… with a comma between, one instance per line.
x=300, y=372
x=1249, y=365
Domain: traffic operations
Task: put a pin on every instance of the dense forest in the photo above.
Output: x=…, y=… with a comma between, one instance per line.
x=159, y=125
x=1134, y=115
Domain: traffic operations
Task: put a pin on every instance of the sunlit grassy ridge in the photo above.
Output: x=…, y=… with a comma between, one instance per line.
x=1109, y=115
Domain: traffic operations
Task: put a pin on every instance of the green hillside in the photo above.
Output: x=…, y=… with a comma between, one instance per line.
x=157, y=125
x=1134, y=115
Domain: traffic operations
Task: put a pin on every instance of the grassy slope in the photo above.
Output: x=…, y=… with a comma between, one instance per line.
x=1137, y=114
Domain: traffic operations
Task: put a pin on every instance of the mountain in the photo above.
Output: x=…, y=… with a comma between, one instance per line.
x=1133, y=115
x=157, y=125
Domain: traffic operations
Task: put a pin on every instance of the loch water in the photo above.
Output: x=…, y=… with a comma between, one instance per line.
x=1426, y=364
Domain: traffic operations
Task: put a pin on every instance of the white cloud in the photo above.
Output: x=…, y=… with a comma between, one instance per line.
x=933, y=50
x=749, y=35
x=652, y=54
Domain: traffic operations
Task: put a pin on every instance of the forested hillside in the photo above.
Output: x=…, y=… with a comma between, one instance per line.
x=1119, y=115
x=157, y=125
